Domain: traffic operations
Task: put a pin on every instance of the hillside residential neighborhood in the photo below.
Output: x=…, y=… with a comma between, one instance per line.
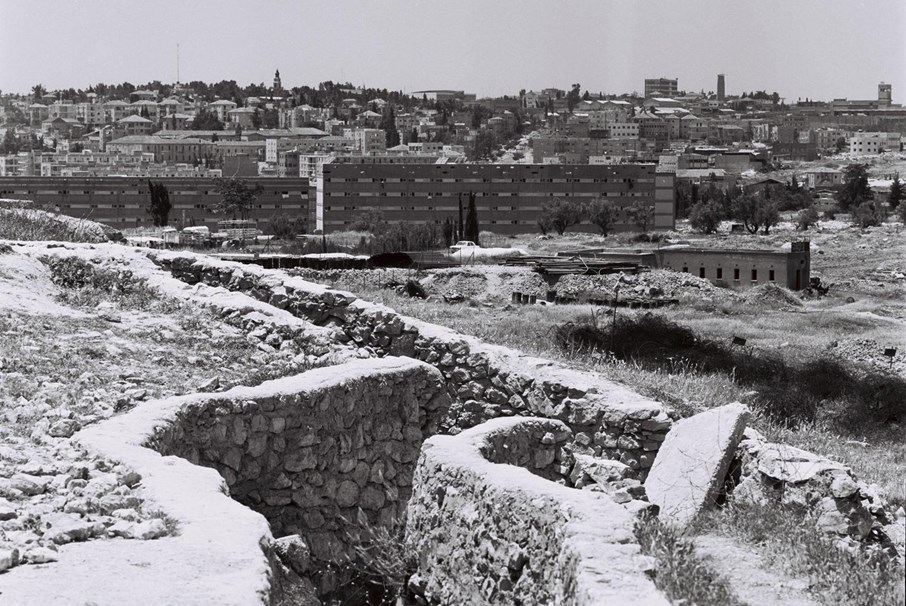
x=474, y=303
x=70, y=147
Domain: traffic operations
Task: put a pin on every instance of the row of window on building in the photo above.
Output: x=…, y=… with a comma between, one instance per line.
x=719, y=274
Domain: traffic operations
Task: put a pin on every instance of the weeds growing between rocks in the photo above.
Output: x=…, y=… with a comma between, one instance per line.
x=680, y=573
x=787, y=542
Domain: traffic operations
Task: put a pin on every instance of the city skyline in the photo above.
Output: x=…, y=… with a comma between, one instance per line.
x=819, y=50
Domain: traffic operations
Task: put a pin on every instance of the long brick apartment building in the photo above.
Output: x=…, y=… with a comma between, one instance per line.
x=509, y=198
x=122, y=202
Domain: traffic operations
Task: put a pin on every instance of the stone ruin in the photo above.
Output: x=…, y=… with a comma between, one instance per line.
x=515, y=478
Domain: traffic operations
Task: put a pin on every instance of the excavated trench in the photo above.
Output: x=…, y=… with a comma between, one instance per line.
x=328, y=455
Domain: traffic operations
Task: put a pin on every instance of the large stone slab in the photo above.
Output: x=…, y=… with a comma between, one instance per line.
x=692, y=463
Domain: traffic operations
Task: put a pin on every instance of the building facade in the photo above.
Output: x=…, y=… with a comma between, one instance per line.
x=661, y=87
x=509, y=198
x=727, y=267
x=122, y=202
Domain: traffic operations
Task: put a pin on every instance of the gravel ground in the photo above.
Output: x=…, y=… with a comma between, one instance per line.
x=72, y=357
x=870, y=352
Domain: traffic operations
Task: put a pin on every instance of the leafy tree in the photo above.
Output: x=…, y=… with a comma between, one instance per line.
x=559, y=214
x=284, y=227
x=641, y=215
x=38, y=91
x=270, y=118
x=806, y=218
x=603, y=213
x=901, y=212
x=867, y=214
x=370, y=220
x=413, y=136
x=484, y=146
x=236, y=197
x=160, y=205
x=855, y=188
x=706, y=216
x=10, y=143
x=256, y=119
x=839, y=145
x=756, y=213
x=895, y=196
x=472, y=230
x=205, y=120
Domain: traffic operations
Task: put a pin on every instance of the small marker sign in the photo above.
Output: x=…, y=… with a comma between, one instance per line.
x=739, y=341
x=890, y=352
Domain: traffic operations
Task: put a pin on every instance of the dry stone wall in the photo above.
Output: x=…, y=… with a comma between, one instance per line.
x=491, y=533
x=484, y=381
x=317, y=452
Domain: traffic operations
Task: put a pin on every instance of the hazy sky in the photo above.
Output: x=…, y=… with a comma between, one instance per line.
x=801, y=48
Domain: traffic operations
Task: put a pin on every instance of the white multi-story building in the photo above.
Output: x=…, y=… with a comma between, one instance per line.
x=873, y=143
x=624, y=130
x=370, y=140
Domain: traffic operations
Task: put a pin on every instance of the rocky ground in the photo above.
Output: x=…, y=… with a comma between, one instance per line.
x=73, y=355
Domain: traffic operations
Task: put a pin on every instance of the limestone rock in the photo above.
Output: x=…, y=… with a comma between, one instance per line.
x=692, y=464
x=64, y=428
x=294, y=553
x=29, y=484
x=790, y=464
x=65, y=528
x=9, y=557
x=40, y=555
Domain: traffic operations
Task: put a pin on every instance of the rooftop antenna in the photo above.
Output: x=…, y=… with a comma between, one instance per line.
x=177, y=62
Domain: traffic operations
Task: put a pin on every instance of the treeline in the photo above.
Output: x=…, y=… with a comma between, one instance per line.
x=708, y=204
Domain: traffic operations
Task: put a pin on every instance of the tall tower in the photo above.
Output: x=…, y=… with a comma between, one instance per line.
x=278, y=88
x=885, y=94
x=721, y=91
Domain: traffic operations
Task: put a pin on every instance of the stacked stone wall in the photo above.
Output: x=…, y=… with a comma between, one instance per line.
x=484, y=381
x=491, y=533
x=315, y=453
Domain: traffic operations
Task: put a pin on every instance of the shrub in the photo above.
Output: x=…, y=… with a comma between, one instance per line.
x=285, y=227
x=790, y=393
x=806, y=218
x=706, y=216
x=867, y=214
x=559, y=215
x=371, y=220
x=641, y=215
x=682, y=575
x=603, y=213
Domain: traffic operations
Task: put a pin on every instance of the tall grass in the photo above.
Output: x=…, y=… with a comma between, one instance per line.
x=29, y=224
x=820, y=388
x=787, y=542
x=681, y=574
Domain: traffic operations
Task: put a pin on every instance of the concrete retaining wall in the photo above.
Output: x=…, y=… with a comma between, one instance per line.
x=492, y=533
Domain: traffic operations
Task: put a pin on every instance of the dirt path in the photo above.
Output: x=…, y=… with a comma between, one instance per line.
x=745, y=573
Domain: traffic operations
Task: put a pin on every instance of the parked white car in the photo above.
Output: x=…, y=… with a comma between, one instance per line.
x=464, y=246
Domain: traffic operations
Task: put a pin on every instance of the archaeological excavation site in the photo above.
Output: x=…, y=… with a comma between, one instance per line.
x=181, y=429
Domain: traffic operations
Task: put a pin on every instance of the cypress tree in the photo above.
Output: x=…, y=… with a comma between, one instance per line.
x=460, y=234
x=472, y=221
x=896, y=192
